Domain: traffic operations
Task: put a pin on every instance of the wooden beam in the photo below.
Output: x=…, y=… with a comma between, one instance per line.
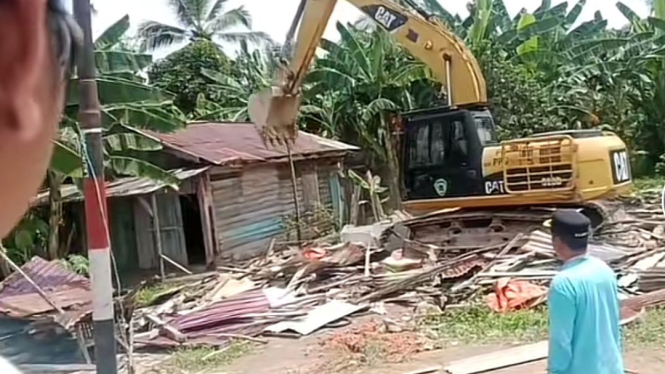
x=204, y=196
x=167, y=329
x=177, y=265
x=54, y=368
x=157, y=235
x=500, y=359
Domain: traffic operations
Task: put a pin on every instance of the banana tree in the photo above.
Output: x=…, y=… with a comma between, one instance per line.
x=352, y=90
x=252, y=71
x=127, y=102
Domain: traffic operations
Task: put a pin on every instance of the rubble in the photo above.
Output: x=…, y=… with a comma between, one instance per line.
x=298, y=290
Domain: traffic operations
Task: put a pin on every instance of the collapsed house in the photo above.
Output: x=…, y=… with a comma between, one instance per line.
x=235, y=195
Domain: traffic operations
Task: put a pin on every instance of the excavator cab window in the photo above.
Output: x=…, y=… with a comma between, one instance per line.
x=442, y=153
x=485, y=127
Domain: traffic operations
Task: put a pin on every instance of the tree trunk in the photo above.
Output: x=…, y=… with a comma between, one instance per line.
x=55, y=214
x=393, y=174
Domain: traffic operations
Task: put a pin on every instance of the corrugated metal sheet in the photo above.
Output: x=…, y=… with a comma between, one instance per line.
x=222, y=312
x=49, y=276
x=209, y=326
x=239, y=143
x=18, y=298
x=250, y=206
x=248, y=210
x=120, y=187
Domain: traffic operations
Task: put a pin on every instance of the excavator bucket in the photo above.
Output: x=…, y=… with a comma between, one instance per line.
x=275, y=115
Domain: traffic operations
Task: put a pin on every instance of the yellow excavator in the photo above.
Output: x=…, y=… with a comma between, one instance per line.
x=450, y=156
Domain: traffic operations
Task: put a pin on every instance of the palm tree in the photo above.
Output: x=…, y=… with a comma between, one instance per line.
x=200, y=19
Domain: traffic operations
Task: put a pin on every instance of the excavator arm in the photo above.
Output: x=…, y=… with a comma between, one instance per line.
x=274, y=111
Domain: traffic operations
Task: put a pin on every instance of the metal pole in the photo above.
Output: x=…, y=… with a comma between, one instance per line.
x=294, y=184
x=99, y=246
x=449, y=80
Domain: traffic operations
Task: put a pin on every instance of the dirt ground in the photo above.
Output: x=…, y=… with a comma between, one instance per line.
x=305, y=355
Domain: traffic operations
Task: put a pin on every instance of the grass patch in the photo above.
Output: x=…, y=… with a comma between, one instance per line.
x=648, y=332
x=149, y=295
x=192, y=360
x=478, y=324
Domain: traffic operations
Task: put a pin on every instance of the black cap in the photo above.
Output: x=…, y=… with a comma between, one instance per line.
x=571, y=225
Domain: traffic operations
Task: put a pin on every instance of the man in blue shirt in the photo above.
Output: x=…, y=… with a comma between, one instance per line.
x=585, y=336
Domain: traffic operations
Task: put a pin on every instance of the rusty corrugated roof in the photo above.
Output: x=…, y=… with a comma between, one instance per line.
x=18, y=298
x=229, y=143
x=120, y=187
x=211, y=325
x=49, y=276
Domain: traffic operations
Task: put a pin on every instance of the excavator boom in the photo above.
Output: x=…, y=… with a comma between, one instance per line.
x=274, y=111
x=451, y=157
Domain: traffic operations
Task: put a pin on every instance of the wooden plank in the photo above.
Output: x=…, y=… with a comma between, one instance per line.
x=310, y=187
x=156, y=231
x=167, y=329
x=54, y=368
x=144, y=237
x=204, y=197
x=172, y=233
x=500, y=359
x=433, y=369
x=177, y=265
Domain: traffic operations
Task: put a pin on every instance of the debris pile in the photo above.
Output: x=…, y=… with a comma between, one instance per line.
x=297, y=290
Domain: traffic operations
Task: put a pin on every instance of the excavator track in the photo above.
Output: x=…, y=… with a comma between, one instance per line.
x=468, y=229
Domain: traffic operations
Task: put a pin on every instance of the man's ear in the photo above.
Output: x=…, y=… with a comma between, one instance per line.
x=556, y=242
x=23, y=58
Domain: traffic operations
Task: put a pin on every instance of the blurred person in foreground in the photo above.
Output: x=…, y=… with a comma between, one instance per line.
x=585, y=336
x=37, y=42
x=38, y=39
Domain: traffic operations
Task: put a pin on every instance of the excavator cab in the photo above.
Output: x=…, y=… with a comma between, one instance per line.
x=443, y=152
x=452, y=158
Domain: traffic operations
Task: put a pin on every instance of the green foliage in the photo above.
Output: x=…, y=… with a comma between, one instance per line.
x=372, y=187
x=203, y=359
x=149, y=295
x=478, y=324
x=544, y=70
x=518, y=98
x=28, y=239
x=314, y=223
x=648, y=332
x=77, y=264
x=543, y=74
x=181, y=74
x=250, y=72
x=127, y=102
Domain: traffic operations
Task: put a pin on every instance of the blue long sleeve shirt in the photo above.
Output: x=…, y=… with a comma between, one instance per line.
x=585, y=336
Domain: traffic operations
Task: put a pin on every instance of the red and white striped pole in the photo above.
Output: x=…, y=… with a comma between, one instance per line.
x=99, y=246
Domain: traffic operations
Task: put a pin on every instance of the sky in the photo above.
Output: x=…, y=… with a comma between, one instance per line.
x=274, y=16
